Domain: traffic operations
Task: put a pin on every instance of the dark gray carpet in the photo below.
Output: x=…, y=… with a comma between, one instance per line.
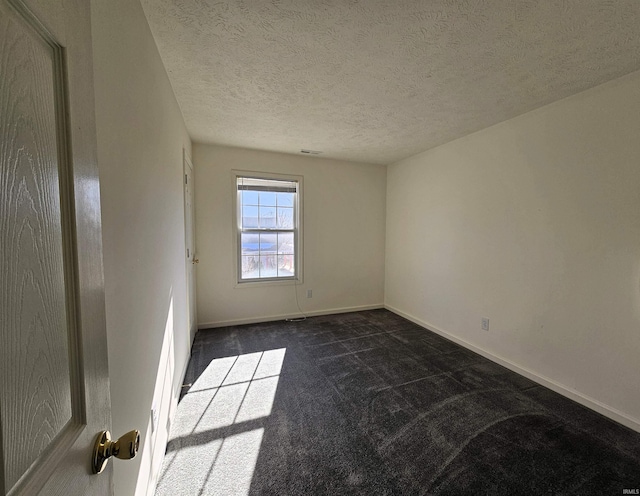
x=369, y=403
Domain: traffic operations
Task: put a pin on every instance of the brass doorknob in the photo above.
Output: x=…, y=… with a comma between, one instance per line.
x=125, y=448
x=196, y=260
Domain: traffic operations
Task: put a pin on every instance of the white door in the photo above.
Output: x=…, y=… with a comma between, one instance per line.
x=189, y=217
x=54, y=382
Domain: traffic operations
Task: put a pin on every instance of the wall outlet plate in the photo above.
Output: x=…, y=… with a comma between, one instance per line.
x=309, y=293
x=485, y=323
x=154, y=418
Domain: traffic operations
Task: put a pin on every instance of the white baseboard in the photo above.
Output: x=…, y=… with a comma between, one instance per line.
x=176, y=394
x=271, y=318
x=572, y=394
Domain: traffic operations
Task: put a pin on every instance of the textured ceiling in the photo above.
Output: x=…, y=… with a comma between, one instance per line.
x=376, y=81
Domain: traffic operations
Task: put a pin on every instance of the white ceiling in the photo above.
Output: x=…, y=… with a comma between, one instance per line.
x=379, y=80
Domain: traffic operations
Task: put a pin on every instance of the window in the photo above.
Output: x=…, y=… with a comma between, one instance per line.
x=268, y=227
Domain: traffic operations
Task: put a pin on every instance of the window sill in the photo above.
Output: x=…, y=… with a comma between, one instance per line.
x=260, y=284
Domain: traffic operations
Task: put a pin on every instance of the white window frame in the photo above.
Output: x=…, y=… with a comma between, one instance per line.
x=237, y=230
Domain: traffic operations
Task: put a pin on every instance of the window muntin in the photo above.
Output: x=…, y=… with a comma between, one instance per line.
x=268, y=228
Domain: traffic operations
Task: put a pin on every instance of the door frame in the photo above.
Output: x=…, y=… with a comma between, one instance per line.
x=192, y=323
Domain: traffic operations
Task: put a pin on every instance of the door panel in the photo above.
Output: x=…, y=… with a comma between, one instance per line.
x=37, y=403
x=54, y=379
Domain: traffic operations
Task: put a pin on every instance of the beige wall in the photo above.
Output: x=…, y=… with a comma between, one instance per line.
x=344, y=213
x=534, y=223
x=141, y=135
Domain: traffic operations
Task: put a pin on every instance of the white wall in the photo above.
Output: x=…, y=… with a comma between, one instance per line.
x=141, y=135
x=534, y=223
x=344, y=214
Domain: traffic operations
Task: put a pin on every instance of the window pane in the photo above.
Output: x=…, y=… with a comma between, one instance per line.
x=268, y=198
x=250, y=243
x=286, y=266
x=250, y=267
x=268, y=265
x=249, y=217
x=250, y=198
x=267, y=217
x=267, y=255
x=268, y=244
x=285, y=199
x=285, y=244
x=285, y=218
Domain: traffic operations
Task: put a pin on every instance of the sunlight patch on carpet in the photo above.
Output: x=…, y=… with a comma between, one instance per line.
x=216, y=437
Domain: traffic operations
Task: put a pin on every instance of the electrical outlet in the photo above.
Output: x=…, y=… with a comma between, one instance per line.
x=309, y=293
x=485, y=323
x=154, y=418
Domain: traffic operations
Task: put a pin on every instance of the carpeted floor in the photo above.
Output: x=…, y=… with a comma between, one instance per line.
x=369, y=403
